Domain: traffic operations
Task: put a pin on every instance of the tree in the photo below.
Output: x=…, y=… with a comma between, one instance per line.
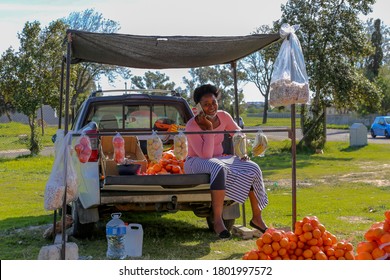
x=384, y=84
x=375, y=59
x=258, y=68
x=87, y=73
x=152, y=80
x=32, y=73
x=222, y=77
x=7, y=83
x=333, y=42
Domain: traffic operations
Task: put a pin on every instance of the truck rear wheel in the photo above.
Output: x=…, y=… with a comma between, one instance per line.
x=81, y=230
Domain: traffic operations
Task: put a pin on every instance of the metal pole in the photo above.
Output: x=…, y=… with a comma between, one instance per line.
x=234, y=66
x=294, y=168
x=61, y=94
x=65, y=132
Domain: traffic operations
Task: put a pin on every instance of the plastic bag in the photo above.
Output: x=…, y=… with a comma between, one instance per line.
x=260, y=144
x=119, y=148
x=83, y=148
x=55, y=186
x=180, y=146
x=239, y=144
x=289, y=82
x=154, y=148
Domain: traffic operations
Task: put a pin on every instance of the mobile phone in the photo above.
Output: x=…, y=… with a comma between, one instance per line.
x=199, y=110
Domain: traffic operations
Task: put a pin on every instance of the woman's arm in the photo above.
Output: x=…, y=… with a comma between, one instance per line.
x=201, y=144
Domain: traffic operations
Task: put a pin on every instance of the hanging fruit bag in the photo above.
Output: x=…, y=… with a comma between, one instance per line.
x=289, y=82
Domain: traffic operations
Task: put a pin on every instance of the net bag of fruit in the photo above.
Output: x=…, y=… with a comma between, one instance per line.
x=83, y=148
x=180, y=146
x=260, y=144
x=154, y=148
x=63, y=172
x=119, y=148
x=239, y=144
x=289, y=81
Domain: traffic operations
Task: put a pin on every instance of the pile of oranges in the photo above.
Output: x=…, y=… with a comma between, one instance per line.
x=168, y=164
x=377, y=244
x=309, y=241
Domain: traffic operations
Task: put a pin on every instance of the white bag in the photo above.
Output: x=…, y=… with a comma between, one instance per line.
x=54, y=191
x=289, y=82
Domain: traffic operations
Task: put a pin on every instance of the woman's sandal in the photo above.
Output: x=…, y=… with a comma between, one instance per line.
x=252, y=224
x=225, y=234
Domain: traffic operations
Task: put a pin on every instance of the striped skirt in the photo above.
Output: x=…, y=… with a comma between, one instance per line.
x=241, y=176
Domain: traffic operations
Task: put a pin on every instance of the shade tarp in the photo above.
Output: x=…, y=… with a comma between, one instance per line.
x=163, y=52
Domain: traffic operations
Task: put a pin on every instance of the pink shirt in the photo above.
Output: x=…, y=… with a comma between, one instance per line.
x=209, y=145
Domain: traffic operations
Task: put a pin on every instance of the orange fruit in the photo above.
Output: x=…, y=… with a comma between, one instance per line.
x=315, y=249
x=306, y=219
x=293, y=257
x=341, y=258
x=267, y=238
x=340, y=245
x=282, y=252
x=300, y=244
x=348, y=247
x=332, y=258
x=302, y=238
x=321, y=227
x=298, y=230
x=364, y=256
x=387, y=214
x=292, y=236
x=330, y=252
x=317, y=233
x=298, y=252
x=308, y=235
x=349, y=255
x=262, y=256
x=366, y=246
x=339, y=253
x=274, y=254
x=307, y=227
x=284, y=242
x=157, y=167
x=259, y=243
x=252, y=255
x=312, y=242
x=267, y=249
x=320, y=256
x=377, y=253
x=292, y=245
x=276, y=236
x=275, y=246
x=385, y=238
x=308, y=253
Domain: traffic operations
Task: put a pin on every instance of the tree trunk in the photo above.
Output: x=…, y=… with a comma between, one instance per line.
x=8, y=116
x=324, y=122
x=34, y=138
x=265, y=113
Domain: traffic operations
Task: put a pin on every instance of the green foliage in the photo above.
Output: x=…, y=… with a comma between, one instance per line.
x=152, y=80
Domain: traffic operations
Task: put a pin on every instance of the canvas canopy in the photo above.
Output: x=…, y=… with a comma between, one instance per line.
x=163, y=52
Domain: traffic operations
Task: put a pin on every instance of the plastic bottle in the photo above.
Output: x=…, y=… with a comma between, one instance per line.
x=134, y=240
x=116, y=237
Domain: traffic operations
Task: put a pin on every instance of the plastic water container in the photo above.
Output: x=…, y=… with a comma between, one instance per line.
x=134, y=240
x=116, y=237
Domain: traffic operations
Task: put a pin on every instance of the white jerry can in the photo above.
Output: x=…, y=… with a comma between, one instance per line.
x=134, y=240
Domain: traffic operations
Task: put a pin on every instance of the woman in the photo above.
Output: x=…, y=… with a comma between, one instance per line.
x=230, y=175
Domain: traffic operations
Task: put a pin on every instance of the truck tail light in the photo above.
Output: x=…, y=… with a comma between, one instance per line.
x=91, y=130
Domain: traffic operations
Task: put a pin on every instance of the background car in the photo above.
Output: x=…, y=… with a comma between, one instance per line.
x=381, y=127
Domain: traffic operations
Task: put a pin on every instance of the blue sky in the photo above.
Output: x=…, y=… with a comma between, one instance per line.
x=156, y=17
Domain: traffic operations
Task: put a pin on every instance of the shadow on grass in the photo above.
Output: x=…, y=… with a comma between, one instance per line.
x=164, y=238
x=352, y=149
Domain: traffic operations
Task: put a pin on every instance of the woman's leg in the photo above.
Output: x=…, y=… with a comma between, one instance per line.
x=257, y=219
x=217, y=199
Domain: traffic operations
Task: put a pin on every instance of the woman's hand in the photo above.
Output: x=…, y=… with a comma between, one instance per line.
x=245, y=158
x=204, y=122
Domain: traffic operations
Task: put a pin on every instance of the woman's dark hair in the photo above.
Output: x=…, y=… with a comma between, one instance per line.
x=202, y=90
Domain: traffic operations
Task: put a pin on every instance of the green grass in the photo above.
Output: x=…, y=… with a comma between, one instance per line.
x=346, y=188
x=10, y=136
